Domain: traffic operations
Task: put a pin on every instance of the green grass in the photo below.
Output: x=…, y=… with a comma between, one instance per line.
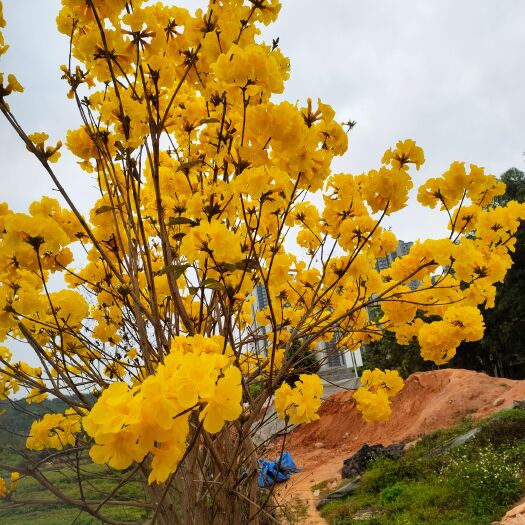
x=471, y=485
x=322, y=487
x=97, y=483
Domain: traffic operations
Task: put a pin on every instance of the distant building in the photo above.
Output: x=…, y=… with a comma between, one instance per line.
x=386, y=262
x=339, y=364
x=336, y=364
x=261, y=302
x=382, y=263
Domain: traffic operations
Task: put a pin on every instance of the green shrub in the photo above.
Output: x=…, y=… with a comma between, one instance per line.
x=392, y=493
x=382, y=473
x=470, y=485
x=507, y=428
x=487, y=477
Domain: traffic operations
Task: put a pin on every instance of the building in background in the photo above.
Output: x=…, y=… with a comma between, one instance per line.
x=259, y=331
x=386, y=262
x=382, y=263
x=337, y=365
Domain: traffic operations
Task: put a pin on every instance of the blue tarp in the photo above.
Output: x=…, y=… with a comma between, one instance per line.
x=271, y=472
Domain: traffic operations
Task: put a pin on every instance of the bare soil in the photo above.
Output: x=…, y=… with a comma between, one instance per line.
x=430, y=401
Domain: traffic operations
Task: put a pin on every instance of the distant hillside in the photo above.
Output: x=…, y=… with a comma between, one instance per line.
x=18, y=415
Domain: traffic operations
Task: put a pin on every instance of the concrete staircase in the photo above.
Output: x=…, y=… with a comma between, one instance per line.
x=336, y=374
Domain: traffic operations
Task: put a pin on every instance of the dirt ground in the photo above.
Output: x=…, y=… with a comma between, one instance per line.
x=429, y=401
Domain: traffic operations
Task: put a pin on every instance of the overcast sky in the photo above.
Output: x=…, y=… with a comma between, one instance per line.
x=448, y=73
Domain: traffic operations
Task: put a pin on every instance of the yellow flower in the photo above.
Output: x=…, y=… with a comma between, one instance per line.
x=111, y=411
x=398, y=312
x=38, y=138
x=2, y=19
x=13, y=84
x=80, y=143
x=224, y=404
x=252, y=67
x=301, y=403
x=373, y=397
x=15, y=476
x=37, y=395
x=167, y=455
x=467, y=321
x=215, y=239
x=54, y=431
x=386, y=189
x=118, y=450
x=438, y=342
x=406, y=152
x=373, y=405
x=194, y=379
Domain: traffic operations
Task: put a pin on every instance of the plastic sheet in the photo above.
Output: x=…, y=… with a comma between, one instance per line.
x=271, y=472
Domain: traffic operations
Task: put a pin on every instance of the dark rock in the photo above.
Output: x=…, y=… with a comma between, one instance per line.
x=340, y=493
x=357, y=464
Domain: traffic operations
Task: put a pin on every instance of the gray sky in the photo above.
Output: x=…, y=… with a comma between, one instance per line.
x=448, y=73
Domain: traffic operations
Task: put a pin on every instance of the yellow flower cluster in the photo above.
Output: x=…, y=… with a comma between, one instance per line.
x=439, y=339
x=373, y=396
x=54, y=431
x=50, y=153
x=300, y=403
x=252, y=68
x=406, y=152
x=154, y=417
x=3, y=47
x=12, y=83
x=32, y=247
x=465, y=270
x=15, y=476
x=8, y=385
x=455, y=185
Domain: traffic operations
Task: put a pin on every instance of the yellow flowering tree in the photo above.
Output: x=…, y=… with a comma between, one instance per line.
x=209, y=188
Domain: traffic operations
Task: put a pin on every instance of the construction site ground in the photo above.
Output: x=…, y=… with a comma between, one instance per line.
x=430, y=401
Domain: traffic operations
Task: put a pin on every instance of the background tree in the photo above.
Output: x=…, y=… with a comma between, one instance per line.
x=303, y=361
x=514, y=180
x=387, y=353
x=502, y=350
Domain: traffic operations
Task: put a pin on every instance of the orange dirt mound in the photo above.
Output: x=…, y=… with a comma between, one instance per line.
x=429, y=401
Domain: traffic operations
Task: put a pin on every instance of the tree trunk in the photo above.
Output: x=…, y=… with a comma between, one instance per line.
x=215, y=485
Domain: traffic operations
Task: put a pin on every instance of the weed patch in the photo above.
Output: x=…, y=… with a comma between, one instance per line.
x=431, y=485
